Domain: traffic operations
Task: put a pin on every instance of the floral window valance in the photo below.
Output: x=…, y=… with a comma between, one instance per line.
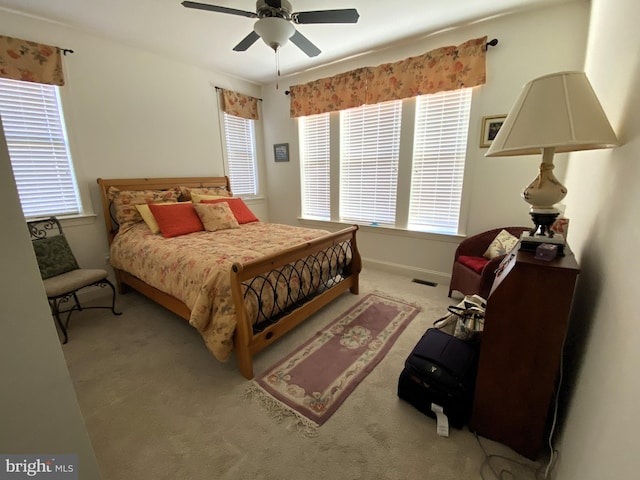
x=446, y=68
x=345, y=90
x=239, y=105
x=30, y=61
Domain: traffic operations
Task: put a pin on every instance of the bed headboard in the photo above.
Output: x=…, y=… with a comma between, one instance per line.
x=150, y=184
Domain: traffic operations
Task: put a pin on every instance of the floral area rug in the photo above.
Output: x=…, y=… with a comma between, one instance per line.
x=313, y=381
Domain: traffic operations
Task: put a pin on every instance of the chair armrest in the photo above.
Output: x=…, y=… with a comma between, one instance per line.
x=476, y=245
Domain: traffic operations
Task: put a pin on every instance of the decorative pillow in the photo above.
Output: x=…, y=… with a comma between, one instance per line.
x=177, y=219
x=54, y=256
x=148, y=217
x=124, y=202
x=216, y=216
x=501, y=245
x=198, y=197
x=186, y=192
x=240, y=210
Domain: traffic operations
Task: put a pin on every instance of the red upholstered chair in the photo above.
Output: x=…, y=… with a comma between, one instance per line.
x=472, y=273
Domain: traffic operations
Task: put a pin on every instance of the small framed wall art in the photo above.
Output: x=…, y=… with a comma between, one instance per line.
x=281, y=152
x=490, y=127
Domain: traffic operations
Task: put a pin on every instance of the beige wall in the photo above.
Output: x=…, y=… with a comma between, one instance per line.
x=530, y=44
x=599, y=437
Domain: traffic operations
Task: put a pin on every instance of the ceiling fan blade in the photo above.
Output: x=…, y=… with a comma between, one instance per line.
x=347, y=15
x=304, y=44
x=246, y=42
x=215, y=8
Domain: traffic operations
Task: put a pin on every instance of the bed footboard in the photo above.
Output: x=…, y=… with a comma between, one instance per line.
x=329, y=265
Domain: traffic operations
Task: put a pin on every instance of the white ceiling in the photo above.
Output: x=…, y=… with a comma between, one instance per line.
x=206, y=39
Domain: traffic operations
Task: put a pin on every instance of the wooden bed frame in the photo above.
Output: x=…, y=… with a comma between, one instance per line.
x=247, y=342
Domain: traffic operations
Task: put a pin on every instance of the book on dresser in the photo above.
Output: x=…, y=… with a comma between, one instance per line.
x=526, y=321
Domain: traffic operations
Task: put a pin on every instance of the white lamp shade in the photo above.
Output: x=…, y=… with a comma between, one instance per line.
x=559, y=111
x=275, y=31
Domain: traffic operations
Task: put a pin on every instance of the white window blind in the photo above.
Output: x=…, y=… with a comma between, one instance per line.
x=36, y=139
x=440, y=144
x=370, y=145
x=314, y=154
x=241, y=155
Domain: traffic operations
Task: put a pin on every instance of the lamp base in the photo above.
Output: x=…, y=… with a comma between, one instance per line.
x=543, y=218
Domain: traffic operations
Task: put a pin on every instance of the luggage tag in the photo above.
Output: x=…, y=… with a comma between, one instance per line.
x=442, y=421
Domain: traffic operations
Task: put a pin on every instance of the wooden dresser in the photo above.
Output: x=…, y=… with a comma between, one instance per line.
x=525, y=324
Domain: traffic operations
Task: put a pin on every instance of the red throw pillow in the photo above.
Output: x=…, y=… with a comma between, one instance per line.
x=176, y=219
x=474, y=263
x=240, y=210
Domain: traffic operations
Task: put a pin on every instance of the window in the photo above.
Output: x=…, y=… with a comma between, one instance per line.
x=439, y=150
x=241, y=155
x=417, y=143
x=37, y=142
x=314, y=147
x=370, y=148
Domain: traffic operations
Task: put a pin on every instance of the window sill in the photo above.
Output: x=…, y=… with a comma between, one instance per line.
x=385, y=230
x=77, y=220
x=250, y=200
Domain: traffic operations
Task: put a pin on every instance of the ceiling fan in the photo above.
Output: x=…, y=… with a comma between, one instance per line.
x=276, y=21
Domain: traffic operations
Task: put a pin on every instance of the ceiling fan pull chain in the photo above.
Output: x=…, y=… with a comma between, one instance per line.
x=277, y=66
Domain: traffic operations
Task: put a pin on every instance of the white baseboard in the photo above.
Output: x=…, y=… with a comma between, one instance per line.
x=103, y=294
x=413, y=272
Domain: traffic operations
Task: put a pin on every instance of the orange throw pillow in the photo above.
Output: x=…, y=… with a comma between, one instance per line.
x=176, y=219
x=240, y=210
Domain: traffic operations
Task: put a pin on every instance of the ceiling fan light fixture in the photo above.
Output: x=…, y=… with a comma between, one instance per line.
x=276, y=23
x=274, y=31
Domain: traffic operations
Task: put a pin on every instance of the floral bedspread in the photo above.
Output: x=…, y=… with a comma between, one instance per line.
x=195, y=269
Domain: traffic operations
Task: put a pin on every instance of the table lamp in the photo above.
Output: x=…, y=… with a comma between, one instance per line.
x=554, y=113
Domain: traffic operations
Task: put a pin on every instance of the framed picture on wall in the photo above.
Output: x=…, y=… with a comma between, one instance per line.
x=281, y=152
x=490, y=127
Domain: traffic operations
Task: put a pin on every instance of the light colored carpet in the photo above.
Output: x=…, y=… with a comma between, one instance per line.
x=158, y=405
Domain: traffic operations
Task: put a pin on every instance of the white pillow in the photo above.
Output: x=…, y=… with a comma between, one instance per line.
x=501, y=245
